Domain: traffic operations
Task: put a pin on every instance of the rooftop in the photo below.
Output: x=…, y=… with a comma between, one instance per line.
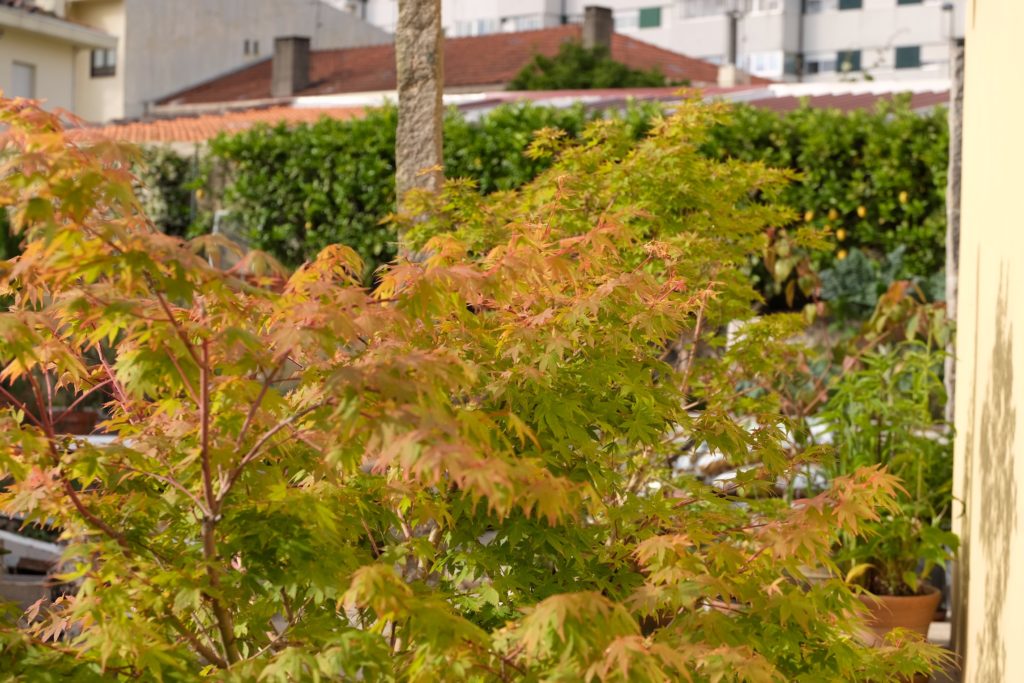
x=780, y=97
x=475, y=62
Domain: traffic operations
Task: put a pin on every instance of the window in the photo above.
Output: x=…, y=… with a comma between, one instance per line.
x=908, y=2
x=690, y=9
x=255, y=47
x=850, y=4
x=791, y=64
x=650, y=17
x=848, y=61
x=103, y=63
x=627, y=20
x=762, y=63
x=908, y=57
x=245, y=47
x=765, y=6
x=526, y=22
x=813, y=6
x=23, y=80
x=819, y=64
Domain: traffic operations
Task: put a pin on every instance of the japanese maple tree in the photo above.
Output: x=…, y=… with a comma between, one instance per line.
x=464, y=474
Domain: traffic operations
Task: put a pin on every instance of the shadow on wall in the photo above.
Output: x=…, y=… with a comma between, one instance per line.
x=997, y=486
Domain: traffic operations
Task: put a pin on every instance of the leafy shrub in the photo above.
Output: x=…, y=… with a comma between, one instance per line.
x=886, y=413
x=301, y=188
x=459, y=476
x=578, y=68
x=876, y=179
x=165, y=180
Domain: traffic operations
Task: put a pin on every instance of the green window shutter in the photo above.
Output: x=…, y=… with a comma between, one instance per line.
x=650, y=17
x=908, y=57
x=908, y=2
x=848, y=61
x=850, y=4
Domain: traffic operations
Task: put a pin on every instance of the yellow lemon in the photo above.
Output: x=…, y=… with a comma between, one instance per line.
x=904, y=197
x=841, y=254
x=809, y=216
x=862, y=211
x=200, y=193
x=840, y=234
x=309, y=225
x=833, y=214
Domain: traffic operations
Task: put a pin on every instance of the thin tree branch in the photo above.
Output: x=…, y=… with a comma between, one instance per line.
x=256, y=404
x=257, y=449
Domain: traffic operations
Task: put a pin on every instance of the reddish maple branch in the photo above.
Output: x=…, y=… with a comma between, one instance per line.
x=225, y=622
x=256, y=404
x=257, y=449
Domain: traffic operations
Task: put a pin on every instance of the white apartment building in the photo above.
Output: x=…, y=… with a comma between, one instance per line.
x=162, y=46
x=791, y=40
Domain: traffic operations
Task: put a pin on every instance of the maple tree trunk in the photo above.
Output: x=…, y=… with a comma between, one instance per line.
x=419, y=57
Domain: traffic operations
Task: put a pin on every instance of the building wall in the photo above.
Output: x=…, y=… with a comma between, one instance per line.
x=989, y=474
x=770, y=31
x=100, y=98
x=52, y=61
x=167, y=46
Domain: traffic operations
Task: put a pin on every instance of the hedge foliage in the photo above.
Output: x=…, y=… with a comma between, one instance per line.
x=578, y=68
x=298, y=189
x=875, y=178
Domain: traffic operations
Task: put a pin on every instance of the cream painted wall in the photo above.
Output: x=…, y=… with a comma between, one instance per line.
x=52, y=59
x=167, y=46
x=989, y=475
x=102, y=98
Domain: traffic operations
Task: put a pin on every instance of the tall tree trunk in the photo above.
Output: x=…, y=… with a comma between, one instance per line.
x=419, y=55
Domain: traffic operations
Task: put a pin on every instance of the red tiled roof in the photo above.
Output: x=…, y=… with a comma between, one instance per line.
x=206, y=126
x=847, y=102
x=203, y=127
x=477, y=61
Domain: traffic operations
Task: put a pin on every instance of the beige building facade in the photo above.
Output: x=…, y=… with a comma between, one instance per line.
x=169, y=45
x=38, y=53
x=989, y=477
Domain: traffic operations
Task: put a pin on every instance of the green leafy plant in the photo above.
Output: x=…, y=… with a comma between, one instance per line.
x=165, y=180
x=297, y=189
x=875, y=179
x=578, y=68
x=884, y=414
x=460, y=475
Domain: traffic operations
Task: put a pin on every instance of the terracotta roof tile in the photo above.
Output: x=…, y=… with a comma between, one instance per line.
x=489, y=60
x=206, y=126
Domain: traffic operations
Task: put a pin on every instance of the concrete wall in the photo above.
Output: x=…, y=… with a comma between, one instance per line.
x=989, y=474
x=53, y=61
x=168, y=46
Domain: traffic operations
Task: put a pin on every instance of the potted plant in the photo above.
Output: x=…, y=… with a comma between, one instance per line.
x=887, y=413
x=892, y=562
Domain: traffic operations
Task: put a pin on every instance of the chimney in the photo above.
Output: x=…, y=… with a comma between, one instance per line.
x=290, y=67
x=598, y=26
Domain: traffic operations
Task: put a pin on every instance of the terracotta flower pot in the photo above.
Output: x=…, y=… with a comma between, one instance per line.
x=77, y=422
x=912, y=612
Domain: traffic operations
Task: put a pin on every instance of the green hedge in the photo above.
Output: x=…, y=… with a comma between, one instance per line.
x=299, y=188
x=876, y=178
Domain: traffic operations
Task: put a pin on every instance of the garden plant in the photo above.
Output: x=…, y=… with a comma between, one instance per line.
x=461, y=474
